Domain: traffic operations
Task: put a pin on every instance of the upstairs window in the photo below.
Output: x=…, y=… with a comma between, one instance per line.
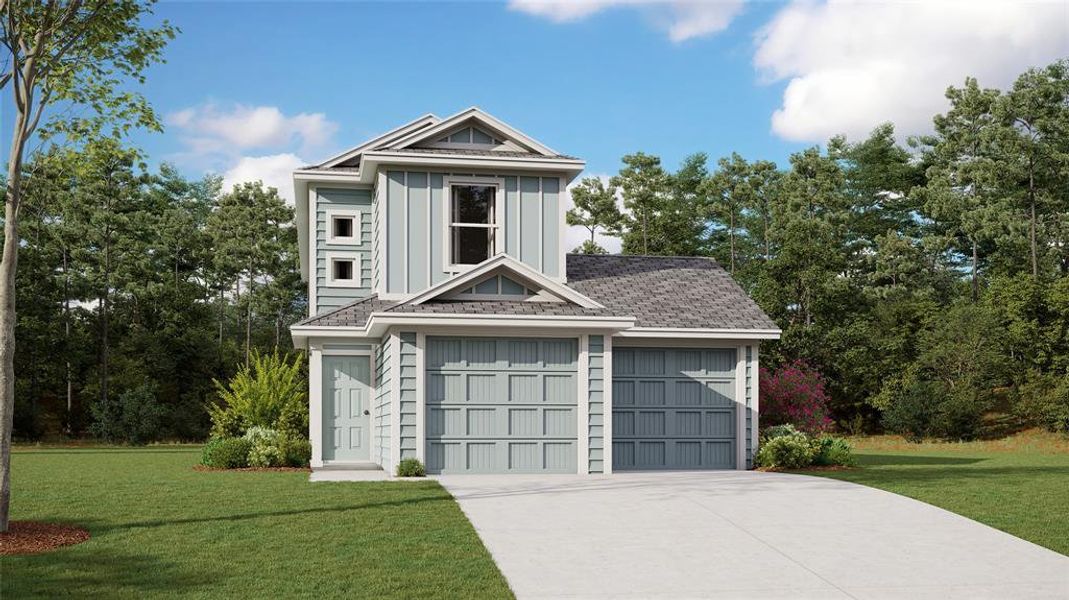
x=472, y=223
x=344, y=269
x=343, y=226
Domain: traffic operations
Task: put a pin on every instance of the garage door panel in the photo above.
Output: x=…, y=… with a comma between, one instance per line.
x=502, y=405
x=674, y=408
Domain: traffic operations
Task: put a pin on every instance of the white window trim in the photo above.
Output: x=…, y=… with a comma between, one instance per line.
x=447, y=221
x=356, y=215
x=358, y=269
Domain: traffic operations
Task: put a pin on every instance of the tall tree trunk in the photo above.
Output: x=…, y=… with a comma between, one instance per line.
x=248, y=318
x=67, y=341
x=104, y=307
x=8, y=264
x=222, y=316
x=1032, y=219
x=975, y=268
x=731, y=236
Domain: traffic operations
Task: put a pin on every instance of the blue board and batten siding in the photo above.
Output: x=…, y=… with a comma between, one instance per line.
x=413, y=255
x=327, y=296
x=750, y=376
x=596, y=404
x=501, y=405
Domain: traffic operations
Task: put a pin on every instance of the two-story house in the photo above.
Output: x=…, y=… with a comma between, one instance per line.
x=449, y=324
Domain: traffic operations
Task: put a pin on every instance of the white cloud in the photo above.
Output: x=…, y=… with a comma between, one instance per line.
x=275, y=171
x=209, y=128
x=852, y=65
x=575, y=236
x=680, y=19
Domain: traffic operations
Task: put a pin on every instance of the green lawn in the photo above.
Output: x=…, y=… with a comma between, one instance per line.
x=1019, y=485
x=160, y=528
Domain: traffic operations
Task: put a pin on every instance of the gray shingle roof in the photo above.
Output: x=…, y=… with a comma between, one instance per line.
x=664, y=291
x=477, y=152
x=658, y=291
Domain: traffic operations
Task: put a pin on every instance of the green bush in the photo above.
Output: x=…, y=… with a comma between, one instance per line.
x=1044, y=401
x=776, y=431
x=265, y=450
x=296, y=451
x=268, y=392
x=786, y=452
x=134, y=417
x=830, y=451
x=411, y=467
x=226, y=453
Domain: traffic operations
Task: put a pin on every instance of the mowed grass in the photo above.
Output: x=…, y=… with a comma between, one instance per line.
x=159, y=528
x=1019, y=485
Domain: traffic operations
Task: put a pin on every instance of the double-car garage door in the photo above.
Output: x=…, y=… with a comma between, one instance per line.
x=510, y=406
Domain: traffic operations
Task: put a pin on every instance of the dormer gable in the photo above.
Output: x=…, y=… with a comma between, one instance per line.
x=503, y=278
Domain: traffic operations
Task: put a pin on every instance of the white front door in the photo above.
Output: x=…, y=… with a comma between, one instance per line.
x=347, y=408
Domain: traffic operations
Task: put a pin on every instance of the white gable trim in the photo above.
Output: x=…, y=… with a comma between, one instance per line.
x=389, y=136
x=476, y=114
x=507, y=263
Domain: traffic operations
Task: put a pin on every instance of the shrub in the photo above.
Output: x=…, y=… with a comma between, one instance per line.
x=795, y=394
x=296, y=451
x=1044, y=401
x=267, y=392
x=779, y=431
x=265, y=447
x=134, y=417
x=786, y=452
x=226, y=453
x=411, y=467
x=919, y=409
x=829, y=451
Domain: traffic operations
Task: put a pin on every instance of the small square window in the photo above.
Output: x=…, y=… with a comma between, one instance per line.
x=342, y=227
x=343, y=270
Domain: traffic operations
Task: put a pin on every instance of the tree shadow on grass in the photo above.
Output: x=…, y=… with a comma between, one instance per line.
x=877, y=460
x=99, y=573
x=104, y=528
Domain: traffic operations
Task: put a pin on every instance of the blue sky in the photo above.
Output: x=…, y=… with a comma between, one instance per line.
x=251, y=89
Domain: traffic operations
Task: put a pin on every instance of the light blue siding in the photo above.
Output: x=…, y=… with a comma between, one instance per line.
x=751, y=378
x=383, y=407
x=596, y=406
x=551, y=233
x=328, y=297
x=673, y=408
x=530, y=215
x=414, y=254
x=406, y=381
x=501, y=405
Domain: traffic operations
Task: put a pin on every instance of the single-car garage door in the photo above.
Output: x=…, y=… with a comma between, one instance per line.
x=673, y=408
x=501, y=405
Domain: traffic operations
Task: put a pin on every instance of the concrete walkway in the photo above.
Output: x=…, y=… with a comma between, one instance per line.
x=741, y=535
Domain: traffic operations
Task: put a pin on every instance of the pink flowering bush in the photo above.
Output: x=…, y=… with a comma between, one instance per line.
x=795, y=394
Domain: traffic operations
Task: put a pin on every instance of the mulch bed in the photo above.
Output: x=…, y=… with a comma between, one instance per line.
x=34, y=537
x=814, y=468
x=254, y=469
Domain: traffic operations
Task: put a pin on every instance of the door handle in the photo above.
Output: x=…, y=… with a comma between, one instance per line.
x=367, y=412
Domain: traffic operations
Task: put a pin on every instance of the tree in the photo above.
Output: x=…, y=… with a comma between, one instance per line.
x=961, y=190
x=73, y=53
x=643, y=184
x=249, y=233
x=595, y=208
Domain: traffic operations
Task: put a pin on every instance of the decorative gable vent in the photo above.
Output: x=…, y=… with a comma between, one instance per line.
x=470, y=135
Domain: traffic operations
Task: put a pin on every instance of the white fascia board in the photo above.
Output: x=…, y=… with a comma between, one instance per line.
x=327, y=176
x=508, y=263
x=373, y=159
x=300, y=205
x=389, y=136
x=379, y=323
x=697, y=333
x=479, y=115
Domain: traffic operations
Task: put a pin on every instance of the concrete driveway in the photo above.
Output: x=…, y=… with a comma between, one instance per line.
x=741, y=535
